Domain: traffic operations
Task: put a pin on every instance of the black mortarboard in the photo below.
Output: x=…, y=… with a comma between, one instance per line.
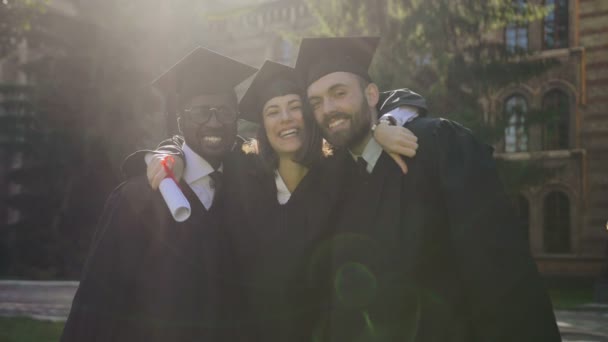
x=321, y=56
x=202, y=71
x=273, y=79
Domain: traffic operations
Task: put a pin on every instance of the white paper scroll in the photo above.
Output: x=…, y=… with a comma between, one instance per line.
x=174, y=198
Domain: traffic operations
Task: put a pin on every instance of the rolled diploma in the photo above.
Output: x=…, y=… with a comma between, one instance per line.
x=174, y=198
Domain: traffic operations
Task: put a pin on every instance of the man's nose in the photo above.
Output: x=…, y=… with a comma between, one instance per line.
x=213, y=121
x=328, y=106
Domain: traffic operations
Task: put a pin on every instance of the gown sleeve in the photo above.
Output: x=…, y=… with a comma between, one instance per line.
x=99, y=310
x=507, y=299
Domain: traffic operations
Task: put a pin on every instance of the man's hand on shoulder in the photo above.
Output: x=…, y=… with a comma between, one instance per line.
x=397, y=141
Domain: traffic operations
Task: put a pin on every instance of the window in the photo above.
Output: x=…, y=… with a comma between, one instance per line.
x=522, y=207
x=556, y=129
x=283, y=51
x=516, y=38
x=557, y=223
x=555, y=28
x=516, y=35
x=516, y=135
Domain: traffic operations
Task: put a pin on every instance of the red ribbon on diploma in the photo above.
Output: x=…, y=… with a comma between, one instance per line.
x=168, y=171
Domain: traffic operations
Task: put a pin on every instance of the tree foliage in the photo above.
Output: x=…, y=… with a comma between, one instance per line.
x=17, y=17
x=88, y=104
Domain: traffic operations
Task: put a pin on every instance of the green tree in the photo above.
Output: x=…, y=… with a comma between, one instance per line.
x=87, y=105
x=16, y=20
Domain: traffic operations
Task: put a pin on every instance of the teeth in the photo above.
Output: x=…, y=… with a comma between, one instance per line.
x=336, y=122
x=288, y=132
x=213, y=140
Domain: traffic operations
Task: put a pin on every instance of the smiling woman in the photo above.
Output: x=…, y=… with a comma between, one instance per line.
x=284, y=125
x=288, y=140
x=282, y=201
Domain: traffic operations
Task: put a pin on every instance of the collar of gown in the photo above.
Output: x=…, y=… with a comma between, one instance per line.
x=196, y=166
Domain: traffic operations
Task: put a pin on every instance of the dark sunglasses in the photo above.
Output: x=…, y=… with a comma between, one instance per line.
x=202, y=114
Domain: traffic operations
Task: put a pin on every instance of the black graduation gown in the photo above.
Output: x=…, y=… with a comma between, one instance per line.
x=149, y=278
x=273, y=246
x=435, y=255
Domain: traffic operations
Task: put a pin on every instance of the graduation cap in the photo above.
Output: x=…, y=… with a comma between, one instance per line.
x=202, y=71
x=321, y=56
x=273, y=79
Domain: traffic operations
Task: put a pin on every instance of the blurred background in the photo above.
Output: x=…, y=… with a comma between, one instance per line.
x=529, y=77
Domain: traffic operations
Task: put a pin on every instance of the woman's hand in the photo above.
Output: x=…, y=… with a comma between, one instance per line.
x=397, y=141
x=156, y=172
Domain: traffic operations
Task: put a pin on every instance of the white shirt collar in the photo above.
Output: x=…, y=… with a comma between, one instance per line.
x=283, y=194
x=196, y=167
x=403, y=114
x=373, y=150
x=371, y=154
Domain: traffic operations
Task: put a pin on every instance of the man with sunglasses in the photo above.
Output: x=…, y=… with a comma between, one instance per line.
x=148, y=277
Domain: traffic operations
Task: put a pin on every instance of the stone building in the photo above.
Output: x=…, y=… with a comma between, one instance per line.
x=566, y=215
x=253, y=34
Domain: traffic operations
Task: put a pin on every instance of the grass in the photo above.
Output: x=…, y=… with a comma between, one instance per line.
x=569, y=293
x=568, y=299
x=29, y=330
x=563, y=296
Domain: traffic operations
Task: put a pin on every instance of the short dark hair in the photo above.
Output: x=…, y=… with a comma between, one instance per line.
x=310, y=153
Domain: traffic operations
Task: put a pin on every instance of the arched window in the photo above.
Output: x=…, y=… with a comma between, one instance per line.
x=555, y=28
x=522, y=207
x=557, y=223
x=516, y=134
x=556, y=129
x=516, y=35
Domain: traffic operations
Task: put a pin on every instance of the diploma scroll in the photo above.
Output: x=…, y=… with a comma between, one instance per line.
x=174, y=198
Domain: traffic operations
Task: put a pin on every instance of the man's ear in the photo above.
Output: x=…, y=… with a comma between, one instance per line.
x=372, y=94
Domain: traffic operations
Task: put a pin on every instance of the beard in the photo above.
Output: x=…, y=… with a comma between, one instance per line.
x=360, y=123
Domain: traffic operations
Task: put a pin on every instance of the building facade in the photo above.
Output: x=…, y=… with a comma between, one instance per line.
x=566, y=214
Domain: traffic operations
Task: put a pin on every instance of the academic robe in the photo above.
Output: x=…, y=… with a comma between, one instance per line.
x=269, y=245
x=273, y=246
x=149, y=278
x=434, y=255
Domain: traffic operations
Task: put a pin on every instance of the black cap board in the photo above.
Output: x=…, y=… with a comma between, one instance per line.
x=321, y=56
x=202, y=71
x=273, y=79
